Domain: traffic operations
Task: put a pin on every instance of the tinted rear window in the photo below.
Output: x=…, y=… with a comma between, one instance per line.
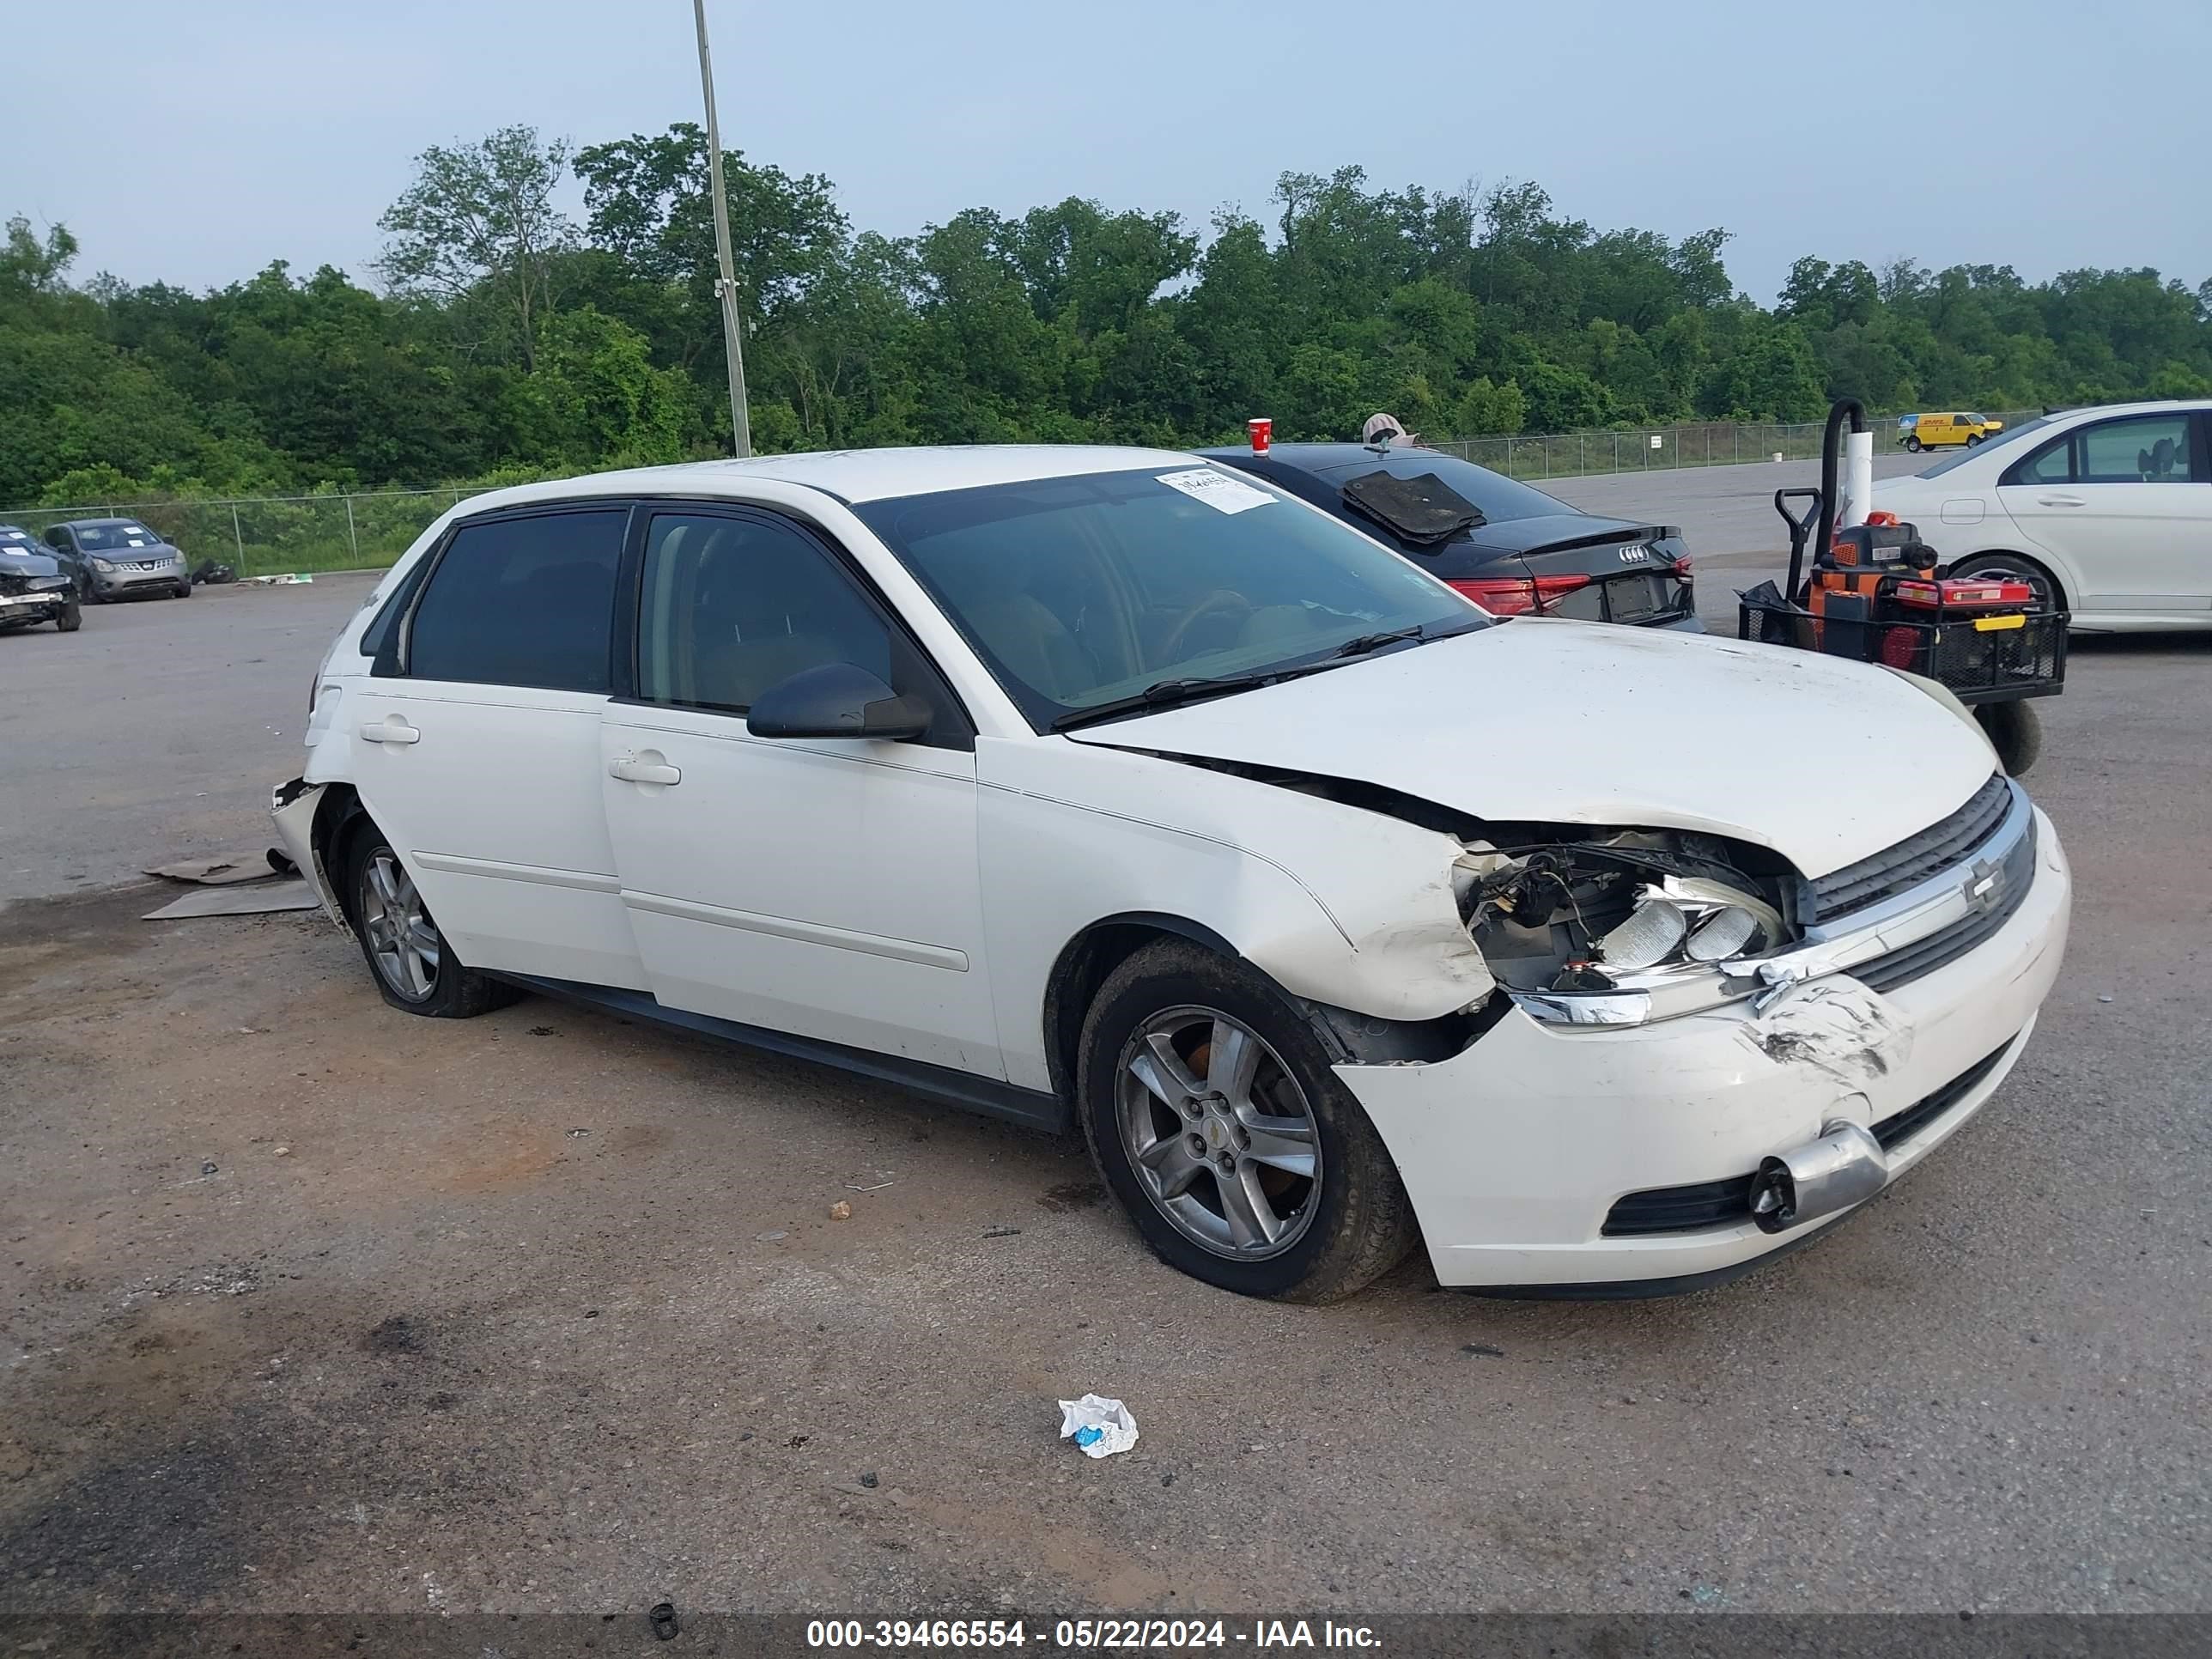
x=522, y=601
x=1498, y=496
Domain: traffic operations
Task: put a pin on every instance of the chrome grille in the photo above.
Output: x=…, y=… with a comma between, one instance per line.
x=2010, y=882
x=1915, y=858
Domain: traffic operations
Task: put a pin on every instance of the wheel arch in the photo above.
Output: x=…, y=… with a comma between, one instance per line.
x=339, y=818
x=1351, y=1036
x=1083, y=965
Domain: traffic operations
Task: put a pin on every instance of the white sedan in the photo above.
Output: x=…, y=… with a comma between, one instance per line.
x=2105, y=512
x=1103, y=787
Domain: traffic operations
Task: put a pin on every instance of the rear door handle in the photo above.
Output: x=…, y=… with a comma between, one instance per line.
x=391, y=729
x=2058, y=501
x=630, y=769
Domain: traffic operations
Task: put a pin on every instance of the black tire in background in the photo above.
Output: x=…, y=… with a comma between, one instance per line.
x=2014, y=730
x=1361, y=1223
x=376, y=884
x=1987, y=567
x=71, y=619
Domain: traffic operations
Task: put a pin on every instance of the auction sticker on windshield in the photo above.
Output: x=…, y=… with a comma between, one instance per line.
x=1216, y=489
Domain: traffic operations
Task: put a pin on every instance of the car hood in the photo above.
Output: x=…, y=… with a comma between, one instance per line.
x=1826, y=761
x=27, y=564
x=1546, y=530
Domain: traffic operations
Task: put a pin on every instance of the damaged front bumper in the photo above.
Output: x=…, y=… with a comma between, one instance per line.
x=293, y=806
x=1541, y=1156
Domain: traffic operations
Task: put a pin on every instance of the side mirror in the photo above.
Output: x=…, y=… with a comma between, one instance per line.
x=835, y=699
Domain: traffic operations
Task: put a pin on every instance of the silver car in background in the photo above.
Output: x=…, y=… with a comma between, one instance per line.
x=117, y=558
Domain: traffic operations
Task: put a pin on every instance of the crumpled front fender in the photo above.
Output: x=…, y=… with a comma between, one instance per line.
x=294, y=806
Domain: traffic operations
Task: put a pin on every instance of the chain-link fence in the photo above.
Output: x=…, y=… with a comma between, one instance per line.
x=271, y=534
x=1651, y=448
x=266, y=535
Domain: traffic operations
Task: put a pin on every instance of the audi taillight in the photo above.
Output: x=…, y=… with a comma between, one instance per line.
x=1517, y=596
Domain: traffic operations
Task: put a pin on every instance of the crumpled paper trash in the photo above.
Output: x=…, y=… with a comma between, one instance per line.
x=1100, y=1426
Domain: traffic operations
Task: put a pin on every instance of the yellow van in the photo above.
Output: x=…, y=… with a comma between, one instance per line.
x=1919, y=432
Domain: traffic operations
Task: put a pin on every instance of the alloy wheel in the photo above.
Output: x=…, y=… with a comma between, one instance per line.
x=1219, y=1133
x=403, y=940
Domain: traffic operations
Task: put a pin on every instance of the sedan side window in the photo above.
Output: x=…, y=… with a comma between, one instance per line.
x=732, y=605
x=2053, y=464
x=527, y=600
x=2145, y=449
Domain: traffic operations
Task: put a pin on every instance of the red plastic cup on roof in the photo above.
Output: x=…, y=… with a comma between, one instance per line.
x=1262, y=429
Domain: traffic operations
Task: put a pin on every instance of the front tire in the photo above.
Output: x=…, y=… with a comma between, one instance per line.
x=1912, y=444
x=414, y=968
x=71, y=619
x=1212, y=1110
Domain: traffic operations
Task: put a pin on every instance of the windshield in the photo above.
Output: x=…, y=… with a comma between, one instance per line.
x=13, y=540
x=107, y=538
x=1499, y=497
x=2010, y=435
x=1077, y=592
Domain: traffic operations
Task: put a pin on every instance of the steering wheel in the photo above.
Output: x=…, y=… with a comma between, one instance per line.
x=1220, y=602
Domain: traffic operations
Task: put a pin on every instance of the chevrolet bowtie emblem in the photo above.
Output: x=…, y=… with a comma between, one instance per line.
x=1983, y=882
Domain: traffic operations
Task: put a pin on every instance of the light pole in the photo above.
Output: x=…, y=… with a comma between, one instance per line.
x=725, y=285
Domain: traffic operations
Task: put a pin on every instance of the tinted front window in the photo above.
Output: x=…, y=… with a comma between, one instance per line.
x=733, y=605
x=1498, y=496
x=522, y=601
x=1076, y=592
x=107, y=538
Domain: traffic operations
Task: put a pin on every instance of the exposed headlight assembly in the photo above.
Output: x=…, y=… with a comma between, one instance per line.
x=1626, y=928
x=48, y=584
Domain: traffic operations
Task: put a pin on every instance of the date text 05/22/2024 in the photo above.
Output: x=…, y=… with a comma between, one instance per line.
x=1090, y=1635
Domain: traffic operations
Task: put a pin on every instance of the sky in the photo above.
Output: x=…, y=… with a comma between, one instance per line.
x=195, y=144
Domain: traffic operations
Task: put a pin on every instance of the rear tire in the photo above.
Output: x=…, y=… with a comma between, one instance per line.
x=414, y=969
x=1250, y=1165
x=1988, y=567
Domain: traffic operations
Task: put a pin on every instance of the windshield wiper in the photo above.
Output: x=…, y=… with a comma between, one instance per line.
x=1367, y=643
x=1166, y=694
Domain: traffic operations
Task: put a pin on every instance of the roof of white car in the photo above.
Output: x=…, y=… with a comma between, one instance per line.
x=856, y=474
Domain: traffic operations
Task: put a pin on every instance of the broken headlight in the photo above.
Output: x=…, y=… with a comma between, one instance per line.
x=1625, y=926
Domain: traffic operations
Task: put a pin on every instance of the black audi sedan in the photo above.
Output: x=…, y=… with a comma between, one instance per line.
x=1513, y=550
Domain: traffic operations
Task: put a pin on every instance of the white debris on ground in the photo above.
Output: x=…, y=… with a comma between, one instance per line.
x=1099, y=1426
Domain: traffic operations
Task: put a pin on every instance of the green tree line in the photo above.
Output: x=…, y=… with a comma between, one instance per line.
x=506, y=339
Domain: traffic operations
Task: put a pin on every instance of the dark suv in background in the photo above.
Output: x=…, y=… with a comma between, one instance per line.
x=33, y=588
x=1513, y=550
x=117, y=558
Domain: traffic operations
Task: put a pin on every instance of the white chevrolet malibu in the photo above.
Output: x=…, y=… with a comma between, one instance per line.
x=1101, y=786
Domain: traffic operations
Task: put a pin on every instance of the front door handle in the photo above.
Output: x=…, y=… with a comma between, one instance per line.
x=391, y=729
x=2059, y=501
x=631, y=769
